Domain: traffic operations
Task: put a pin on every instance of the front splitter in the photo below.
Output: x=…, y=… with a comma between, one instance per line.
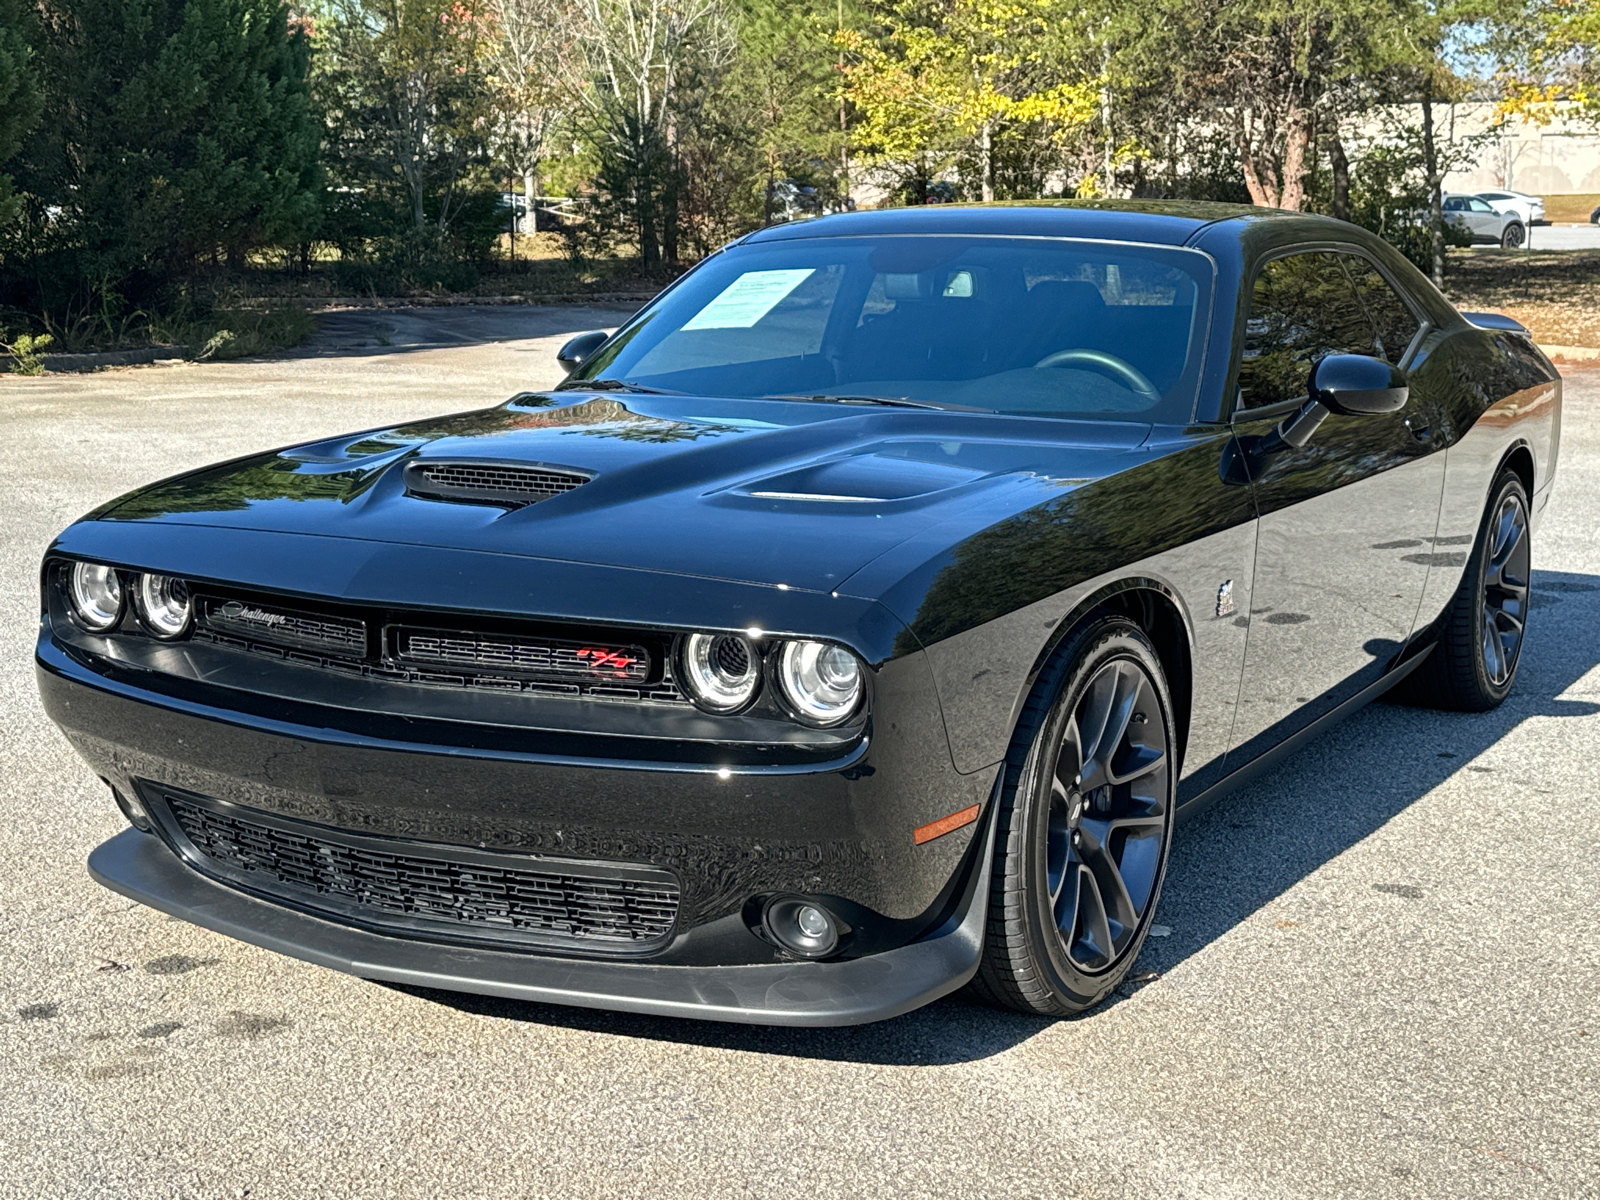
x=849, y=992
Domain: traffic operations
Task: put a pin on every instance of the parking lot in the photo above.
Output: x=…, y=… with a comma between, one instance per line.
x=1565, y=237
x=1382, y=976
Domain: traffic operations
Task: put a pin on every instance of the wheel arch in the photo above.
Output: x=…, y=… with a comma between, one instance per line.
x=1159, y=611
x=1519, y=459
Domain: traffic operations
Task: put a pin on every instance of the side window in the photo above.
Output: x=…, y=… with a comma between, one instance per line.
x=1396, y=323
x=1302, y=308
x=1455, y=204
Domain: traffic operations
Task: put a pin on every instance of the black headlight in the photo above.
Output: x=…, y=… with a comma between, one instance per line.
x=821, y=682
x=164, y=605
x=96, y=594
x=720, y=671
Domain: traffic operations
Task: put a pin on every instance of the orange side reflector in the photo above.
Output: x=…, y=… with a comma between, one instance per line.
x=944, y=825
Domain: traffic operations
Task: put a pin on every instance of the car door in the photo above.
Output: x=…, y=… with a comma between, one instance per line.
x=1346, y=519
x=1485, y=222
x=1473, y=217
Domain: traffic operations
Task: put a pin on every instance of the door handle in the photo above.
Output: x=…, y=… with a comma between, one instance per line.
x=1419, y=432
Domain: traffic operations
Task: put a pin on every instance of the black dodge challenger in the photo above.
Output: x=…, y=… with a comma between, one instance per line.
x=854, y=625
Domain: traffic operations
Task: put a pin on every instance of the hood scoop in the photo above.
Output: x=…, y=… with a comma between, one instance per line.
x=483, y=481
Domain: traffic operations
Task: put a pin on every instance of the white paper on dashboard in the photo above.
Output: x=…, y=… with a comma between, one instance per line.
x=748, y=298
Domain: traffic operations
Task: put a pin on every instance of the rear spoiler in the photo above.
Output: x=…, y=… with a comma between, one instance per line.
x=1495, y=321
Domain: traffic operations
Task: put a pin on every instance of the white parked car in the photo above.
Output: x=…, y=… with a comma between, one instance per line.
x=1528, y=209
x=1483, y=224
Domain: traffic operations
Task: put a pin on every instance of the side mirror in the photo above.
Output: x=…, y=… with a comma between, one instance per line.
x=571, y=355
x=1354, y=385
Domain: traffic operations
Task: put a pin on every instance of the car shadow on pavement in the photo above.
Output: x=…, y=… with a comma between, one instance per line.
x=1226, y=865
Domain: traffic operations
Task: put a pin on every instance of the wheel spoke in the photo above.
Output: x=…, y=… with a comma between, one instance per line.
x=1124, y=702
x=1093, y=927
x=1119, y=907
x=1102, y=925
x=1096, y=716
x=1137, y=763
x=1493, y=651
x=1064, y=905
x=1154, y=821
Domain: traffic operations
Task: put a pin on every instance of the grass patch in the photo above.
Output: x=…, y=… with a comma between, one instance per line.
x=1555, y=293
x=233, y=331
x=1563, y=210
x=239, y=333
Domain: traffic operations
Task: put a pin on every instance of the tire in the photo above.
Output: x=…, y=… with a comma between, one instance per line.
x=1061, y=852
x=1470, y=671
x=1513, y=235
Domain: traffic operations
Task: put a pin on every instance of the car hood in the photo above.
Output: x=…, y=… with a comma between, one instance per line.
x=789, y=494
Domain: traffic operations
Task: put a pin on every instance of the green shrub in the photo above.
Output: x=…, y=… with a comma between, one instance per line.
x=27, y=352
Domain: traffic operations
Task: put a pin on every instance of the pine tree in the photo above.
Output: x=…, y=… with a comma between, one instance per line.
x=174, y=133
x=19, y=93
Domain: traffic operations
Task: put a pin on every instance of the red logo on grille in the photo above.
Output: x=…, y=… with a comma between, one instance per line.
x=615, y=663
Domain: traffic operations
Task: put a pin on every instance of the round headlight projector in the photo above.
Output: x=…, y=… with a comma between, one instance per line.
x=164, y=605
x=822, y=683
x=96, y=593
x=721, y=671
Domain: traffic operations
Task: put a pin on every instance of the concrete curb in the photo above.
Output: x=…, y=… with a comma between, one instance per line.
x=339, y=303
x=145, y=355
x=112, y=358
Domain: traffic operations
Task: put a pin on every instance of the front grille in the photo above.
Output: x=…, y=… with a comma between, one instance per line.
x=428, y=889
x=386, y=647
x=340, y=636
x=489, y=483
x=490, y=654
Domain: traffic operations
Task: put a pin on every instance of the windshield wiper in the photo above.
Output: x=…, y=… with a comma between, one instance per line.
x=608, y=385
x=891, y=401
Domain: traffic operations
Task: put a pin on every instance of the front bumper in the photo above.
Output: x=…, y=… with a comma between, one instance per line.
x=839, y=830
x=850, y=992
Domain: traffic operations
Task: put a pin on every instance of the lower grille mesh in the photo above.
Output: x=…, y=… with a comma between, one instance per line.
x=309, y=865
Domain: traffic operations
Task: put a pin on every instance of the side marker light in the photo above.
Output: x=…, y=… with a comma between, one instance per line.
x=944, y=825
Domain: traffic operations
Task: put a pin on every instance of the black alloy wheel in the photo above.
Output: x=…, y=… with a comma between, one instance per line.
x=1085, y=824
x=1514, y=236
x=1478, y=646
x=1506, y=576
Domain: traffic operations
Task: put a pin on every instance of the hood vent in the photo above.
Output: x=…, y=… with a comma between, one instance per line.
x=478, y=482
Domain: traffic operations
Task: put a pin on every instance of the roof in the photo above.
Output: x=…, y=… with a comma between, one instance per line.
x=1168, y=222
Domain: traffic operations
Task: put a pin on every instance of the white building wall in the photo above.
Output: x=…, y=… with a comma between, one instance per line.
x=1561, y=157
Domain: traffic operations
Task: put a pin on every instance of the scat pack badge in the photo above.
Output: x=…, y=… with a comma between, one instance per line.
x=1225, y=599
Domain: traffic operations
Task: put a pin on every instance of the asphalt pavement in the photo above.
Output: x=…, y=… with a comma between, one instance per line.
x=1382, y=976
x=1564, y=237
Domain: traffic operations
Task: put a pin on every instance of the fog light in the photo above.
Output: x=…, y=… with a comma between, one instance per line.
x=164, y=605
x=801, y=926
x=813, y=922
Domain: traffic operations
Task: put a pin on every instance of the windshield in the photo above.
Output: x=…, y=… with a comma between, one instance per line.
x=1036, y=326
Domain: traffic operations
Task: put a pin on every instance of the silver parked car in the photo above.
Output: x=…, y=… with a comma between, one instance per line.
x=1528, y=209
x=1483, y=224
